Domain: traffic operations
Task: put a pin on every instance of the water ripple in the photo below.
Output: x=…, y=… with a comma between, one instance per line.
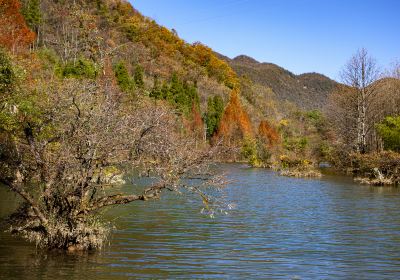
x=282, y=228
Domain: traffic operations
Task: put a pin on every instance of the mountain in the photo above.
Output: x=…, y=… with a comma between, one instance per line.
x=307, y=91
x=84, y=39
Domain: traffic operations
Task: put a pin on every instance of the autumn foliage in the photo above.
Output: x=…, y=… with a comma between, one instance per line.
x=267, y=133
x=214, y=66
x=166, y=45
x=197, y=124
x=235, y=123
x=14, y=33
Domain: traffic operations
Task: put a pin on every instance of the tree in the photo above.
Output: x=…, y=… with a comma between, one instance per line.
x=269, y=135
x=197, y=125
x=14, y=33
x=82, y=68
x=138, y=76
x=124, y=80
x=181, y=94
x=68, y=143
x=32, y=14
x=389, y=130
x=215, y=109
x=176, y=91
x=8, y=86
x=156, y=92
x=7, y=75
x=73, y=31
x=235, y=124
x=361, y=73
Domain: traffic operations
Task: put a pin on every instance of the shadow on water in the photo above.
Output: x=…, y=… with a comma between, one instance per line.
x=281, y=228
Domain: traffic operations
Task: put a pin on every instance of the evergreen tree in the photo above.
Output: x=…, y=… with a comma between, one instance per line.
x=138, y=76
x=182, y=95
x=165, y=92
x=219, y=108
x=82, y=68
x=156, y=91
x=7, y=75
x=210, y=120
x=175, y=89
x=123, y=78
x=215, y=109
x=389, y=130
x=31, y=12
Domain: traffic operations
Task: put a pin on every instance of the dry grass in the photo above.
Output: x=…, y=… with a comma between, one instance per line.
x=374, y=181
x=310, y=173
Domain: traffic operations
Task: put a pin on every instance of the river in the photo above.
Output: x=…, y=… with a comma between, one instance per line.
x=281, y=228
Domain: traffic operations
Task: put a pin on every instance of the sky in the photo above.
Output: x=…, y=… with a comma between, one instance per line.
x=299, y=35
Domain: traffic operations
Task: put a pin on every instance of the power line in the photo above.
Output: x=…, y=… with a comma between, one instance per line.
x=217, y=8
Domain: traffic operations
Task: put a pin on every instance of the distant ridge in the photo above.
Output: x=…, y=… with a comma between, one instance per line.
x=245, y=59
x=307, y=91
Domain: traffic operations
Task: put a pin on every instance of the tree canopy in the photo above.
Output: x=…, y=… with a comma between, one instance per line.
x=389, y=130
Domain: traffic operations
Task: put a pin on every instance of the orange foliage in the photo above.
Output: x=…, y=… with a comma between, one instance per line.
x=268, y=133
x=193, y=124
x=197, y=125
x=235, y=123
x=215, y=67
x=14, y=33
x=164, y=42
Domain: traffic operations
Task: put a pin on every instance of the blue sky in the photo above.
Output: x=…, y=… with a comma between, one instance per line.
x=300, y=35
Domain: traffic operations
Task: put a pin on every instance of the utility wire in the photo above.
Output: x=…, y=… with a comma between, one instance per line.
x=217, y=8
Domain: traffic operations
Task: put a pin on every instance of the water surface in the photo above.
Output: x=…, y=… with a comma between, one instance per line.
x=281, y=228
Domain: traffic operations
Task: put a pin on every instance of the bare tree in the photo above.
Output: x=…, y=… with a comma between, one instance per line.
x=341, y=111
x=361, y=72
x=394, y=72
x=61, y=159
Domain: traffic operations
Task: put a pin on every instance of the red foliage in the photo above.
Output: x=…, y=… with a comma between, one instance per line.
x=197, y=125
x=197, y=122
x=14, y=33
x=235, y=123
x=268, y=133
x=193, y=124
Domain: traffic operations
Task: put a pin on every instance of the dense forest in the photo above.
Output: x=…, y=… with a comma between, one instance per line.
x=93, y=90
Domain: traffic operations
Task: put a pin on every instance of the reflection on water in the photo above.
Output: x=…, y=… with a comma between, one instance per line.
x=282, y=228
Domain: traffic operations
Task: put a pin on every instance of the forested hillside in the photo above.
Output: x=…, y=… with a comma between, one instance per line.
x=307, y=91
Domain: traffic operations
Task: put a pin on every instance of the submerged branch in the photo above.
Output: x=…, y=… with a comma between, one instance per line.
x=26, y=196
x=149, y=193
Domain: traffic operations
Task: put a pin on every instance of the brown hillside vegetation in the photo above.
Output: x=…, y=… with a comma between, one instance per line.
x=307, y=91
x=94, y=29
x=268, y=133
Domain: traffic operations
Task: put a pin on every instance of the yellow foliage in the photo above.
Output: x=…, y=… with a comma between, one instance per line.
x=284, y=122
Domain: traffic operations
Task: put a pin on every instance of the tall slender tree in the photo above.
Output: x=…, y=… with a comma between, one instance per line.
x=361, y=72
x=235, y=124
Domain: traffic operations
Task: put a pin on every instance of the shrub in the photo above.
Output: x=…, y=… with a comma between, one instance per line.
x=124, y=80
x=7, y=75
x=82, y=68
x=386, y=163
x=249, y=151
x=389, y=130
